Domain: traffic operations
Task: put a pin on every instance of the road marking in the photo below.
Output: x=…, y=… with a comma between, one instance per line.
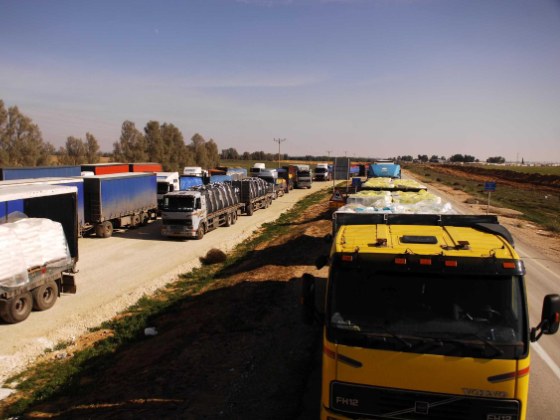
x=547, y=359
x=535, y=261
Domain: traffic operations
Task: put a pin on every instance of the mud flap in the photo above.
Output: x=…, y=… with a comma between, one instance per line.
x=68, y=283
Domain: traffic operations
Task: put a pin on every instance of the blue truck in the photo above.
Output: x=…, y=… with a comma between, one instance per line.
x=119, y=200
x=45, y=274
x=385, y=169
x=39, y=172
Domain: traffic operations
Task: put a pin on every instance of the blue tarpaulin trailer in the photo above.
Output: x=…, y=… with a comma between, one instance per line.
x=119, y=200
x=39, y=172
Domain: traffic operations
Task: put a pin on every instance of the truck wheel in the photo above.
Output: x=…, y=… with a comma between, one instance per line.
x=234, y=217
x=44, y=297
x=144, y=219
x=135, y=220
x=17, y=309
x=104, y=230
x=250, y=210
x=266, y=204
x=200, y=232
x=228, y=220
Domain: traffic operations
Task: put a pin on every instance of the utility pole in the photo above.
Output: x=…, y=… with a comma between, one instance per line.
x=279, y=141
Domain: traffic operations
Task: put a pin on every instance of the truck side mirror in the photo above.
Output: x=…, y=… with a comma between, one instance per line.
x=550, y=318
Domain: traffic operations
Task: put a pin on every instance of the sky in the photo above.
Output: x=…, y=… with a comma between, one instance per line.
x=377, y=78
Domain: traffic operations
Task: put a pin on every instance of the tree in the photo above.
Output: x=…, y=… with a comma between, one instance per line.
x=423, y=158
x=92, y=149
x=434, y=159
x=21, y=142
x=230, y=153
x=496, y=159
x=178, y=155
x=212, y=153
x=407, y=158
x=154, y=141
x=132, y=145
x=73, y=153
x=457, y=158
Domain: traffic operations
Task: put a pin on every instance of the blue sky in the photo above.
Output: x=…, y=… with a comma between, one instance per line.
x=357, y=77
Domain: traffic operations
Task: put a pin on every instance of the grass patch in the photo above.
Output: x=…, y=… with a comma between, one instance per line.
x=536, y=206
x=64, y=376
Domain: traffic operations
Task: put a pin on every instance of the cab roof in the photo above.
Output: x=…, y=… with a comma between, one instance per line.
x=452, y=241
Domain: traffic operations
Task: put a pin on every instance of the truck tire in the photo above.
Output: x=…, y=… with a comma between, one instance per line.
x=228, y=220
x=234, y=217
x=144, y=217
x=200, y=232
x=16, y=309
x=44, y=297
x=250, y=209
x=135, y=220
x=104, y=230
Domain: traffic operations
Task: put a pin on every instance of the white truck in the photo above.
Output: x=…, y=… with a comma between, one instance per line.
x=304, y=176
x=166, y=182
x=194, y=212
x=322, y=172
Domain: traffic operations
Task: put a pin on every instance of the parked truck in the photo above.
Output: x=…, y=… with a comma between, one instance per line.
x=75, y=181
x=7, y=174
x=289, y=174
x=384, y=168
x=304, y=176
x=145, y=167
x=277, y=186
x=166, y=182
x=194, y=212
x=255, y=193
x=119, y=200
x=38, y=247
x=322, y=172
x=425, y=316
x=105, y=168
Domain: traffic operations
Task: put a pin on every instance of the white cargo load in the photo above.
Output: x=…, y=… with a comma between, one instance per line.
x=30, y=243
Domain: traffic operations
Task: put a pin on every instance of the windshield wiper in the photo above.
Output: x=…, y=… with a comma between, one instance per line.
x=482, y=339
x=397, y=337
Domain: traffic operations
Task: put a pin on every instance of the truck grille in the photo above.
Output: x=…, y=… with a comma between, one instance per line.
x=358, y=401
x=181, y=222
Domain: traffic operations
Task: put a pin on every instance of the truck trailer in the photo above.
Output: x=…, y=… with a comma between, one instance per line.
x=425, y=317
x=194, y=212
x=7, y=174
x=384, y=168
x=255, y=193
x=105, y=168
x=119, y=200
x=38, y=247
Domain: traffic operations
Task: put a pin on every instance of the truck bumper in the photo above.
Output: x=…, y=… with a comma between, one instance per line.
x=177, y=231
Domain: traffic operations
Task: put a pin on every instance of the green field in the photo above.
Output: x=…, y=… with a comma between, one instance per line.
x=537, y=206
x=543, y=170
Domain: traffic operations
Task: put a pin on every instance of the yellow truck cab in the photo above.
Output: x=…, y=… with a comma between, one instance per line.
x=425, y=317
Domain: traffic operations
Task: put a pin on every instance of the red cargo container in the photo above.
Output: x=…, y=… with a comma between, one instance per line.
x=105, y=168
x=145, y=167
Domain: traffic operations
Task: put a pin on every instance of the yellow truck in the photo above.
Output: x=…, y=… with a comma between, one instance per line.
x=424, y=317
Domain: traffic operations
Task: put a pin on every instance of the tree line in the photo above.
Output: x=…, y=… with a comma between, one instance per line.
x=22, y=144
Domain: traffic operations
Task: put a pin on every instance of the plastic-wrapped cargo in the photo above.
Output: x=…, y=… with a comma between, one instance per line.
x=30, y=243
x=251, y=188
x=13, y=270
x=401, y=202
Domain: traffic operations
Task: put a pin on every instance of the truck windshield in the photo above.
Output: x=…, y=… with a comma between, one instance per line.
x=463, y=316
x=178, y=203
x=320, y=170
x=162, y=187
